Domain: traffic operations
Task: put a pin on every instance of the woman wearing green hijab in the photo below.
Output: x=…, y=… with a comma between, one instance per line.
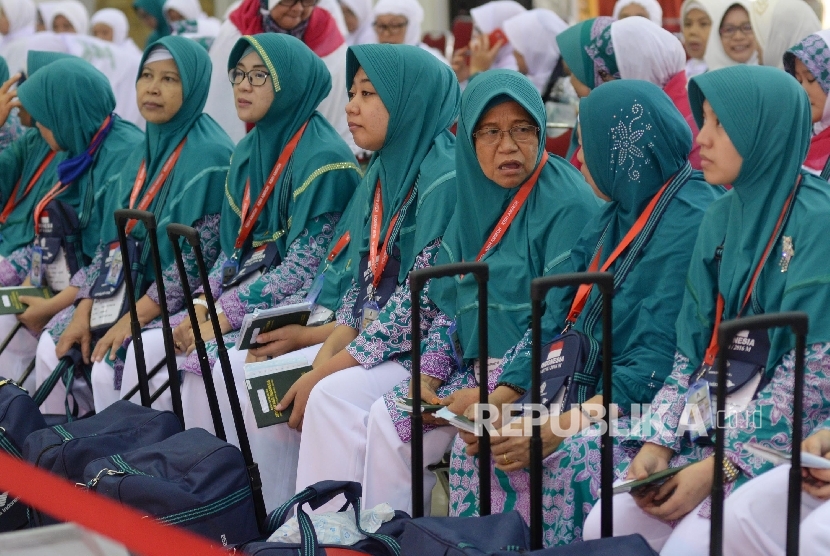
x=72, y=103
x=151, y=12
x=289, y=182
x=655, y=205
x=759, y=250
x=178, y=174
x=10, y=128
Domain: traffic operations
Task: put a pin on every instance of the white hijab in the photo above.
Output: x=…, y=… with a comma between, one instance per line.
x=491, y=16
x=115, y=20
x=411, y=10
x=653, y=9
x=364, y=34
x=75, y=12
x=646, y=51
x=533, y=35
x=190, y=9
x=21, y=15
x=781, y=24
x=716, y=57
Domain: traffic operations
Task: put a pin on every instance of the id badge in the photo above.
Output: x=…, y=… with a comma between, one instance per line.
x=370, y=314
x=316, y=288
x=698, y=410
x=229, y=271
x=36, y=272
x=457, y=352
x=116, y=265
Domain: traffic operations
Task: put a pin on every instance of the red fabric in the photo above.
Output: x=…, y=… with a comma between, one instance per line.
x=322, y=35
x=676, y=90
x=819, y=151
x=574, y=161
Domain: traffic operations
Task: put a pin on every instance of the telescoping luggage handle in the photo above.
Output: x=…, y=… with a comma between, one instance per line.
x=417, y=281
x=798, y=322
x=122, y=217
x=538, y=290
x=174, y=231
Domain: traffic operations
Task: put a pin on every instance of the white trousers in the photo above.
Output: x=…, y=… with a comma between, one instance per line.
x=18, y=353
x=689, y=538
x=333, y=445
x=45, y=362
x=755, y=518
x=387, y=474
x=275, y=448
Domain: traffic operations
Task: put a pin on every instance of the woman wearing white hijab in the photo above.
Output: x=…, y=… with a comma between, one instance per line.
x=532, y=35
x=187, y=19
x=491, y=16
x=780, y=24
x=20, y=16
x=649, y=9
x=399, y=22
x=113, y=26
x=728, y=19
x=74, y=13
x=358, y=22
x=696, y=19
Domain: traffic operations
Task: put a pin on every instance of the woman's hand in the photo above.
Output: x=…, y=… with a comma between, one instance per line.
x=280, y=341
x=460, y=64
x=38, y=313
x=207, y=331
x=183, y=338
x=298, y=396
x=816, y=482
x=77, y=332
x=8, y=98
x=483, y=54
x=682, y=493
x=113, y=339
x=429, y=385
x=649, y=460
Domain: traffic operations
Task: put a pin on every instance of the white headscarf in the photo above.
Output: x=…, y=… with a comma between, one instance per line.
x=491, y=16
x=533, y=35
x=781, y=24
x=21, y=15
x=652, y=8
x=115, y=20
x=411, y=10
x=364, y=34
x=716, y=57
x=75, y=12
x=190, y=9
x=646, y=51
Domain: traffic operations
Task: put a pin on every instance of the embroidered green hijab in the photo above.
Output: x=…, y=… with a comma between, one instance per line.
x=587, y=49
x=310, y=184
x=539, y=239
x=766, y=114
x=195, y=187
x=422, y=97
x=73, y=99
x=156, y=9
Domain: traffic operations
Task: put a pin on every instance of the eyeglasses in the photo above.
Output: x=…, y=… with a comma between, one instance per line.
x=389, y=28
x=256, y=78
x=519, y=134
x=292, y=3
x=729, y=31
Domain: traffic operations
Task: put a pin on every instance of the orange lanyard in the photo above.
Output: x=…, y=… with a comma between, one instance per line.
x=156, y=185
x=341, y=243
x=712, y=350
x=13, y=202
x=512, y=209
x=248, y=223
x=377, y=263
x=585, y=289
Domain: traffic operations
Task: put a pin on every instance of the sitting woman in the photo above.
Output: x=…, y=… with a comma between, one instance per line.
x=644, y=235
x=504, y=172
x=399, y=22
x=805, y=62
x=758, y=251
x=178, y=175
x=734, y=42
x=533, y=37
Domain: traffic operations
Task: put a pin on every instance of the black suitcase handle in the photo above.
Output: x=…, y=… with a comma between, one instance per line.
x=798, y=322
x=417, y=281
x=122, y=216
x=538, y=290
x=174, y=232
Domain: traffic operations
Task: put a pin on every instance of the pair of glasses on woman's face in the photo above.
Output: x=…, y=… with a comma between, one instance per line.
x=389, y=28
x=519, y=134
x=256, y=78
x=728, y=31
x=292, y=3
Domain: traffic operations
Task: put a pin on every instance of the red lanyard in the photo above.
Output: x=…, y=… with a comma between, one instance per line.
x=512, y=209
x=378, y=262
x=156, y=185
x=341, y=243
x=712, y=350
x=585, y=289
x=13, y=202
x=248, y=223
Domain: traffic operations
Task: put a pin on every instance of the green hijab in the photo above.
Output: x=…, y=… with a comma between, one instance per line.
x=156, y=9
x=195, y=187
x=766, y=114
x=587, y=48
x=309, y=185
x=4, y=70
x=539, y=239
x=422, y=97
x=73, y=99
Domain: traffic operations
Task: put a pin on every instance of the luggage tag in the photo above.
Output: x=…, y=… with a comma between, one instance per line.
x=229, y=270
x=36, y=272
x=698, y=411
x=455, y=343
x=370, y=311
x=109, y=293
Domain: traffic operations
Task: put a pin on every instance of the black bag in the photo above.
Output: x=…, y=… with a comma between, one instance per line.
x=59, y=242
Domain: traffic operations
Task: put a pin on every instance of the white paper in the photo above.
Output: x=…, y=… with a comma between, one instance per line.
x=107, y=311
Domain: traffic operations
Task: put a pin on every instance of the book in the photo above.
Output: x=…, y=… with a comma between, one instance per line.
x=653, y=480
x=406, y=404
x=268, y=381
x=458, y=421
x=777, y=457
x=10, y=298
x=254, y=324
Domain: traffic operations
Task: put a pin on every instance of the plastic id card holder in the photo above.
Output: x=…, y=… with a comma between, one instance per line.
x=698, y=411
